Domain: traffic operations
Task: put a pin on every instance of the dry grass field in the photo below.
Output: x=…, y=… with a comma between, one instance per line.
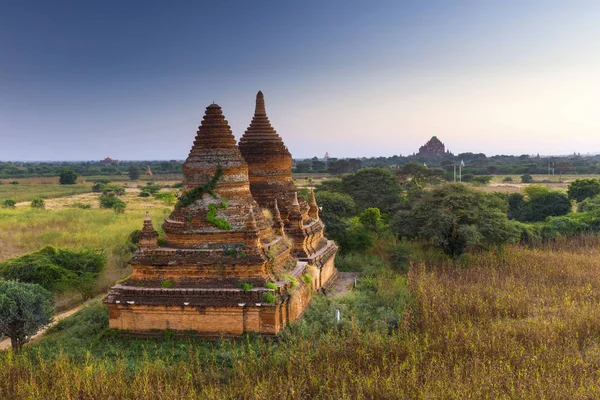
x=520, y=323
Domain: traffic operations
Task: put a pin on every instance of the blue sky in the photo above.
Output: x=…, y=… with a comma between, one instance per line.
x=80, y=80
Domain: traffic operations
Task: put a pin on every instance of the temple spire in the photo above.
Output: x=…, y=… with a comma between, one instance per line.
x=313, y=211
x=277, y=221
x=148, y=237
x=259, y=109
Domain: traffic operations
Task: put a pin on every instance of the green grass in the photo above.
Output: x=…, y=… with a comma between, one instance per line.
x=29, y=191
x=24, y=230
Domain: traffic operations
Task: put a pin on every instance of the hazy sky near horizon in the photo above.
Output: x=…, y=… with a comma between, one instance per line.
x=80, y=80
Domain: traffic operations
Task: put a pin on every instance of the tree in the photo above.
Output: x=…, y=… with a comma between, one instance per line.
x=371, y=219
x=419, y=175
x=303, y=167
x=540, y=203
x=134, y=172
x=581, y=189
x=455, y=217
x=25, y=308
x=526, y=178
x=373, y=187
x=338, y=167
x=67, y=177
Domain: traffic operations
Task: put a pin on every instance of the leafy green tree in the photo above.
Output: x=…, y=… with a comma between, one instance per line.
x=581, y=189
x=25, y=308
x=541, y=202
x=373, y=187
x=371, y=219
x=67, y=177
x=303, y=166
x=455, y=217
x=330, y=185
x=419, y=175
x=338, y=167
x=334, y=204
x=134, y=172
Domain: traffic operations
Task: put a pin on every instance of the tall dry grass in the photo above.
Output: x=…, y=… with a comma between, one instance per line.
x=522, y=324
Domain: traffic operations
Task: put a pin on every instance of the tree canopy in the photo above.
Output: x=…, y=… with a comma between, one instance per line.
x=67, y=177
x=581, y=189
x=373, y=187
x=25, y=308
x=455, y=217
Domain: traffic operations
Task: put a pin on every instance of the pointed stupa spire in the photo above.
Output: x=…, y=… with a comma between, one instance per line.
x=251, y=220
x=148, y=237
x=277, y=221
x=269, y=161
x=215, y=146
x=313, y=211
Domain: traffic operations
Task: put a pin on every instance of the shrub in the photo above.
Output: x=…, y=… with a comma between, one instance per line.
x=82, y=206
x=14, y=182
x=9, y=203
x=246, y=286
x=507, y=179
x=269, y=298
x=482, y=179
x=113, y=202
x=271, y=285
x=526, y=178
x=306, y=278
x=167, y=284
x=38, y=202
x=56, y=269
x=167, y=197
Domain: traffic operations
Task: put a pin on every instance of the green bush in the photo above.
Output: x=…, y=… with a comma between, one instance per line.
x=38, y=202
x=246, y=286
x=56, y=269
x=271, y=285
x=269, y=298
x=167, y=197
x=482, y=179
x=526, y=178
x=82, y=206
x=9, y=203
x=306, y=278
x=113, y=202
x=507, y=179
x=167, y=284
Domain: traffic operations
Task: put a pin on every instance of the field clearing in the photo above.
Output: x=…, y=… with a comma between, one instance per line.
x=26, y=191
x=24, y=230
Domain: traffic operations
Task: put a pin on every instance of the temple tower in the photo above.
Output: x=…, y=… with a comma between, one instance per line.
x=220, y=249
x=270, y=174
x=269, y=161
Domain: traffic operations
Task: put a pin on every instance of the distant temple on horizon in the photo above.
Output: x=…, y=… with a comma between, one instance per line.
x=241, y=252
x=433, y=148
x=109, y=161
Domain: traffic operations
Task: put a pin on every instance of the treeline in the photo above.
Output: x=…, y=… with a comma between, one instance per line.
x=85, y=168
x=453, y=217
x=475, y=164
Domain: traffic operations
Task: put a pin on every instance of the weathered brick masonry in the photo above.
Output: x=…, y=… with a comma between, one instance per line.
x=221, y=249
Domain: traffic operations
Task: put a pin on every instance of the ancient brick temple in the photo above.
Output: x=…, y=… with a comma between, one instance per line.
x=241, y=253
x=433, y=148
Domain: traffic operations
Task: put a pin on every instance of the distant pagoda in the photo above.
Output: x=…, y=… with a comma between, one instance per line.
x=225, y=240
x=433, y=148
